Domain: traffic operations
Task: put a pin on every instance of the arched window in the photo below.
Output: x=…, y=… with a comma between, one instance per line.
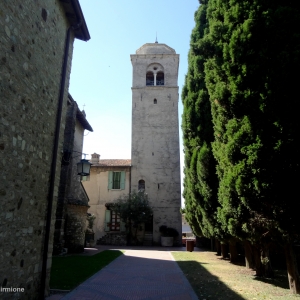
x=141, y=185
x=155, y=101
x=160, y=79
x=149, y=78
x=155, y=75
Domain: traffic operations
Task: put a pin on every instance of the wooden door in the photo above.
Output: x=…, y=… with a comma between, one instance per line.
x=115, y=221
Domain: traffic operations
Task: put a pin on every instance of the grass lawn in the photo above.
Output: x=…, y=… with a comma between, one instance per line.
x=217, y=279
x=69, y=271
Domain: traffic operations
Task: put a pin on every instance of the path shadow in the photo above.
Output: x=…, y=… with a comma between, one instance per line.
x=206, y=285
x=280, y=279
x=280, y=273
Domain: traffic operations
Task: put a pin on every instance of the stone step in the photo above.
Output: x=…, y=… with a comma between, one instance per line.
x=147, y=243
x=148, y=237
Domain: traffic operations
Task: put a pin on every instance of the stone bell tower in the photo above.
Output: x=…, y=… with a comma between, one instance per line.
x=155, y=134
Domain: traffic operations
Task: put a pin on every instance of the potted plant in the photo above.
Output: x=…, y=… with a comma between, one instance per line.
x=167, y=235
x=89, y=233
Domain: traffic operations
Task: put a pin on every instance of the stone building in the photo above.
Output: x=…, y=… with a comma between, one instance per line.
x=35, y=61
x=155, y=158
x=72, y=202
x=155, y=161
x=109, y=180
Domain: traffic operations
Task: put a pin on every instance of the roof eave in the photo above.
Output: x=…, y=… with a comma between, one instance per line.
x=75, y=16
x=80, y=115
x=83, y=121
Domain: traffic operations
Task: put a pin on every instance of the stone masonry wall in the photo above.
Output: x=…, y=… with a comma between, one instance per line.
x=76, y=191
x=32, y=39
x=65, y=178
x=70, y=188
x=75, y=228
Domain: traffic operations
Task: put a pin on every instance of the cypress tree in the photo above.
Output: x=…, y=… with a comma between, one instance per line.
x=252, y=80
x=200, y=181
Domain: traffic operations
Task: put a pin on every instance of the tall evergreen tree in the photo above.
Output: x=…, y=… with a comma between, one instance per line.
x=200, y=182
x=252, y=81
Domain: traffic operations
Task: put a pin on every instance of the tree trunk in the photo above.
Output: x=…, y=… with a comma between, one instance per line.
x=212, y=244
x=292, y=268
x=249, y=259
x=224, y=250
x=218, y=247
x=257, y=260
x=233, y=251
x=129, y=234
x=266, y=261
x=263, y=265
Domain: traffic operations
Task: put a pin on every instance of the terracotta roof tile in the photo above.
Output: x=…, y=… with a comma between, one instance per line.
x=113, y=163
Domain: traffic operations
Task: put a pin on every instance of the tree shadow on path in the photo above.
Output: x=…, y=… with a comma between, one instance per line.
x=206, y=285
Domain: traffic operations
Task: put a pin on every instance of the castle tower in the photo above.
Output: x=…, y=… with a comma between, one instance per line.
x=155, y=134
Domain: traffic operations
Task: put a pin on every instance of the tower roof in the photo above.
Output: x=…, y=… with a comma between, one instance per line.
x=155, y=48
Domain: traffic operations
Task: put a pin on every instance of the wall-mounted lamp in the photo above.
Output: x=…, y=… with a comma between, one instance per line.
x=83, y=167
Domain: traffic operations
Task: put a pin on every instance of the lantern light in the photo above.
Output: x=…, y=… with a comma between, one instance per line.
x=83, y=167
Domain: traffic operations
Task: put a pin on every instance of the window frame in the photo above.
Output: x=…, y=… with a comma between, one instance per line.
x=150, y=81
x=160, y=78
x=116, y=180
x=116, y=184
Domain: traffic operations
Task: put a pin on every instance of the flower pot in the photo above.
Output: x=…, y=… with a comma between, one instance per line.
x=167, y=241
x=190, y=245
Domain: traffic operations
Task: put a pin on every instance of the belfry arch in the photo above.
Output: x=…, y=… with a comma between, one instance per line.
x=155, y=75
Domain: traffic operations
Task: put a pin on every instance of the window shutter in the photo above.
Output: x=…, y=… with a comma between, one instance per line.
x=122, y=184
x=110, y=180
x=107, y=220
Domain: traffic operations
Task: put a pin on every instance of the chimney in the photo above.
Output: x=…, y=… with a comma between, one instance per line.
x=95, y=158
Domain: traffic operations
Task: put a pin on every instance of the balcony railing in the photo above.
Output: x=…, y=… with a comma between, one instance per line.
x=149, y=82
x=158, y=82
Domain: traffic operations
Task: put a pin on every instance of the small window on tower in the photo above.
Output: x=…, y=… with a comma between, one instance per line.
x=141, y=185
x=155, y=101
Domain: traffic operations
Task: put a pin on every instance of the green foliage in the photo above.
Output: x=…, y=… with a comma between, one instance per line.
x=252, y=80
x=134, y=208
x=244, y=58
x=243, y=76
x=200, y=181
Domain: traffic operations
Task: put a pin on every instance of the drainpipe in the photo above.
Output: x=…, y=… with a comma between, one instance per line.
x=130, y=179
x=54, y=161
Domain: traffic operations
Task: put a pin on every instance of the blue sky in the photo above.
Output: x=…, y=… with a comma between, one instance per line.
x=101, y=75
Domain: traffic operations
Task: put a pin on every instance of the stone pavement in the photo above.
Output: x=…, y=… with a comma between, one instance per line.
x=145, y=273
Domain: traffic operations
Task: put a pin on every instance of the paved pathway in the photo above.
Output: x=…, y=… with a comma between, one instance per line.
x=136, y=275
